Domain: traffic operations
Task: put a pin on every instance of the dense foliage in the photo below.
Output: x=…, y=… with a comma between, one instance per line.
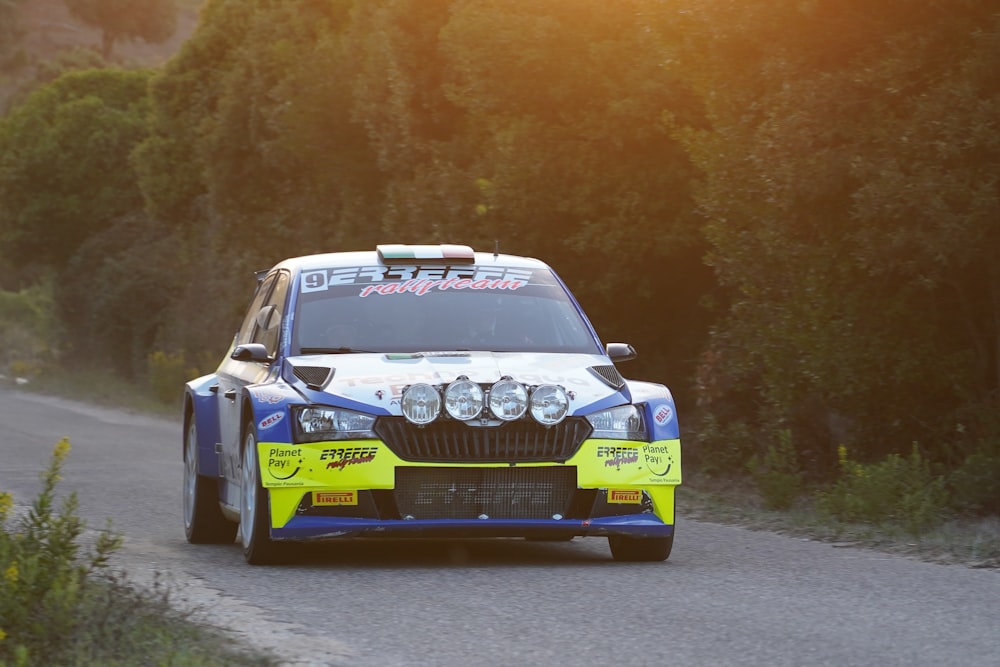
x=791, y=208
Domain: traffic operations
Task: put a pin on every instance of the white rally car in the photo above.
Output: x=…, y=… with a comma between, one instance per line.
x=425, y=391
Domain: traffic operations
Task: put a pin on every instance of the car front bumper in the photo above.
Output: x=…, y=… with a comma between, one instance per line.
x=331, y=490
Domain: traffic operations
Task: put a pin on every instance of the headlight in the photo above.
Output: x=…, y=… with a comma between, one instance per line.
x=317, y=423
x=463, y=399
x=421, y=403
x=549, y=404
x=621, y=423
x=508, y=400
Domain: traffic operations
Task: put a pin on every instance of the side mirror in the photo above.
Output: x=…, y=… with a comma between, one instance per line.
x=251, y=352
x=621, y=351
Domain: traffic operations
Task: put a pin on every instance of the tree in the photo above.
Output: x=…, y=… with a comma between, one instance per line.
x=539, y=126
x=65, y=173
x=152, y=21
x=850, y=169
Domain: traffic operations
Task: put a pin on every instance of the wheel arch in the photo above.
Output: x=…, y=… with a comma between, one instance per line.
x=200, y=405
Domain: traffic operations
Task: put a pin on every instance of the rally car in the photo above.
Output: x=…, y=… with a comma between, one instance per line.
x=425, y=391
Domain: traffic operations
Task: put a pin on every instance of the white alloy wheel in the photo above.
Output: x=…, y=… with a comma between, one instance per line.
x=255, y=516
x=204, y=522
x=248, y=493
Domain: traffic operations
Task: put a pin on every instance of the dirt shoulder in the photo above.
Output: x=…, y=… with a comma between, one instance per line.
x=974, y=542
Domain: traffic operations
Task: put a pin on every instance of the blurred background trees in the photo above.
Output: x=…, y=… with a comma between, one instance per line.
x=792, y=209
x=151, y=21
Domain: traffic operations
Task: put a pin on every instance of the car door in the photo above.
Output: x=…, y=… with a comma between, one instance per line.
x=262, y=324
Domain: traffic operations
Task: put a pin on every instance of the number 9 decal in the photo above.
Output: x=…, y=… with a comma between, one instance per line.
x=314, y=281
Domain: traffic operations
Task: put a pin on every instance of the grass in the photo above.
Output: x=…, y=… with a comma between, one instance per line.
x=104, y=388
x=974, y=542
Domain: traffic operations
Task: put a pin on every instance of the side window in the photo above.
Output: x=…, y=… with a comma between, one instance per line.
x=246, y=332
x=267, y=324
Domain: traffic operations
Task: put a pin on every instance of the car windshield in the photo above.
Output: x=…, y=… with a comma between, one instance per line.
x=344, y=310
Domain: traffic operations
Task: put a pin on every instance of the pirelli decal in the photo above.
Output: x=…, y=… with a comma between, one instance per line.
x=625, y=496
x=331, y=498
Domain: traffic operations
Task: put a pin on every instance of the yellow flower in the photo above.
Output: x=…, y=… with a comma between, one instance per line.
x=62, y=449
x=6, y=502
x=3, y=635
x=11, y=574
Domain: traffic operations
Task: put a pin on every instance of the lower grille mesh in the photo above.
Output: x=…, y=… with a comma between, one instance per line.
x=497, y=493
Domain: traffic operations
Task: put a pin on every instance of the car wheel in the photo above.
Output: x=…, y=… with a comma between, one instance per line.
x=255, y=523
x=638, y=549
x=204, y=522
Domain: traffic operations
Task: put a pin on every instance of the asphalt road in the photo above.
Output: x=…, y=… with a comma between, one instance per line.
x=727, y=596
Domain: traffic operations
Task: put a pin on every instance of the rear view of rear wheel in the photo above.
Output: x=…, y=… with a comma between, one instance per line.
x=639, y=549
x=203, y=520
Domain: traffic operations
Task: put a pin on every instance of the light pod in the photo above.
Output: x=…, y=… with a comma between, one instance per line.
x=421, y=403
x=508, y=400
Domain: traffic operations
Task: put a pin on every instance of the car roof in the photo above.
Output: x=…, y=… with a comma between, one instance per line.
x=373, y=258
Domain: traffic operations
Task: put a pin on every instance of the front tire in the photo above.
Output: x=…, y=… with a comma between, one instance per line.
x=639, y=549
x=255, y=515
x=204, y=522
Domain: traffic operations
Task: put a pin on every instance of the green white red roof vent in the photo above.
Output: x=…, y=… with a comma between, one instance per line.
x=398, y=253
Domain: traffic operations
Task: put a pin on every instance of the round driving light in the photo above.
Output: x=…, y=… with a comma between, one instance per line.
x=508, y=400
x=463, y=399
x=421, y=403
x=549, y=404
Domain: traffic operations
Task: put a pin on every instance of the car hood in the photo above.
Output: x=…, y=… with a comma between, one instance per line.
x=379, y=379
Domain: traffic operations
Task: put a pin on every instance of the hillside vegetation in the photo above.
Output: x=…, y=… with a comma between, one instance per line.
x=792, y=209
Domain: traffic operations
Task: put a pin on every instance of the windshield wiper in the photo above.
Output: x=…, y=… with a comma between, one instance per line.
x=333, y=350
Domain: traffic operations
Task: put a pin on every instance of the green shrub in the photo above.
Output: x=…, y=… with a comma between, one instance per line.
x=27, y=330
x=723, y=446
x=61, y=607
x=167, y=374
x=976, y=483
x=43, y=575
x=777, y=474
x=897, y=490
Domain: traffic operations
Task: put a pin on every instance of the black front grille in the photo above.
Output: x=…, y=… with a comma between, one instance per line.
x=447, y=441
x=481, y=493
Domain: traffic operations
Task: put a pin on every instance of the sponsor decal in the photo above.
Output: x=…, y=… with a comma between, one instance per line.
x=269, y=398
x=625, y=496
x=618, y=456
x=284, y=463
x=342, y=457
x=332, y=498
x=663, y=414
x=417, y=280
x=422, y=287
x=270, y=420
x=658, y=459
